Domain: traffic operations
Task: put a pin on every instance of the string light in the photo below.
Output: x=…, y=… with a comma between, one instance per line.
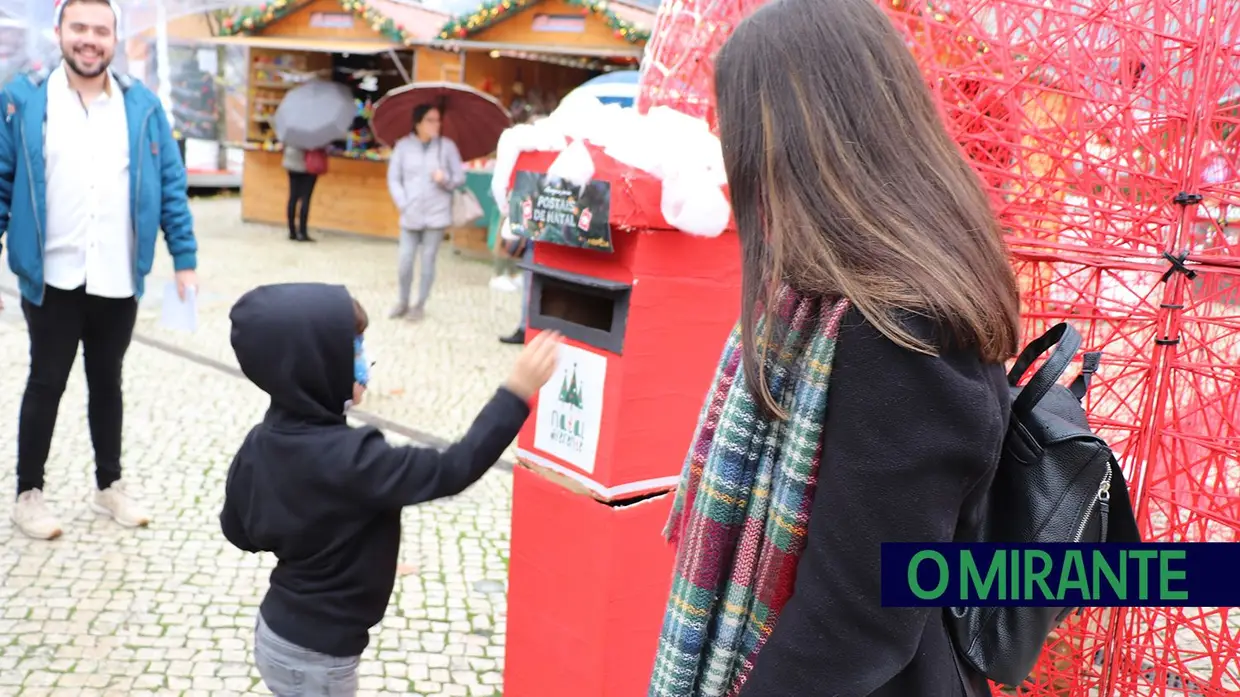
x=496, y=11
x=567, y=61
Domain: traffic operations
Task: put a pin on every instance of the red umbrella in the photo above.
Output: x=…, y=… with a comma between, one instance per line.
x=472, y=119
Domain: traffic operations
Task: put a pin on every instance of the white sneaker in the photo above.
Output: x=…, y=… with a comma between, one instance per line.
x=120, y=504
x=503, y=284
x=32, y=516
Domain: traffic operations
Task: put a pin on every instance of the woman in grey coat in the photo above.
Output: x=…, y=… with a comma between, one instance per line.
x=424, y=170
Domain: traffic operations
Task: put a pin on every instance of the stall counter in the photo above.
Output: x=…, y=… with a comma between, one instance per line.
x=352, y=196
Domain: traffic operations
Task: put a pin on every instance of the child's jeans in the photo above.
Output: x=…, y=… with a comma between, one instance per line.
x=289, y=670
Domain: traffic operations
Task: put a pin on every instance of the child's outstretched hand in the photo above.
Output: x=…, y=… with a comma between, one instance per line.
x=535, y=365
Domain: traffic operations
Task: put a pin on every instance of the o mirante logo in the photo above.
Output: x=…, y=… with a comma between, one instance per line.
x=1034, y=575
x=1061, y=575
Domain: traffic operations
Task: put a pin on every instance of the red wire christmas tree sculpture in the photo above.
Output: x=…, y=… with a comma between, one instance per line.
x=1108, y=135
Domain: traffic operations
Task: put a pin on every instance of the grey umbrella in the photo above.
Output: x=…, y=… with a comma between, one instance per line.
x=314, y=114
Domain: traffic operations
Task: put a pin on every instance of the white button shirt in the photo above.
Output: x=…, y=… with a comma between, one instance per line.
x=89, y=233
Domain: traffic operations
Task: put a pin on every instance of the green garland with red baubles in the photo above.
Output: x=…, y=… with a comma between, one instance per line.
x=255, y=18
x=495, y=11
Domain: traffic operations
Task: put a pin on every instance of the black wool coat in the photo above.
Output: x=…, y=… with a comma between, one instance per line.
x=910, y=447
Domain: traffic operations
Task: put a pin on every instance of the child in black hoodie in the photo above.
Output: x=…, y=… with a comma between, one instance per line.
x=326, y=497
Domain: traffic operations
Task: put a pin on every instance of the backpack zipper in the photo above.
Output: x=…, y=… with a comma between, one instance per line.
x=1101, y=500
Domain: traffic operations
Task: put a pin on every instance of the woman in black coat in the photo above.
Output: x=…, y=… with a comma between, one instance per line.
x=860, y=224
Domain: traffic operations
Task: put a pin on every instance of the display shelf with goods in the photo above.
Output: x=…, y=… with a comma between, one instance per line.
x=352, y=195
x=369, y=77
x=272, y=75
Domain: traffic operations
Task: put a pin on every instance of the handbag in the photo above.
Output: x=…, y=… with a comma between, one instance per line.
x=465, y=206
x=1057, y=481
x=316, y=162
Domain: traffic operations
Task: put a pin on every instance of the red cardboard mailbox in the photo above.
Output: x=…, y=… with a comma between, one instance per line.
x=645, y=310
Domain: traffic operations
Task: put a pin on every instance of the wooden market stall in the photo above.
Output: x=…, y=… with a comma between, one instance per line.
x=374, y=45
x=526, y=53
x=529, y=54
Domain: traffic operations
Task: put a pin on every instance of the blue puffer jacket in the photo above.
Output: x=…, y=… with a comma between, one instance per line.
x=157, y=182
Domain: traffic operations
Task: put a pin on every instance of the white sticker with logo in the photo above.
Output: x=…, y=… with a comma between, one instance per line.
x=570, y=408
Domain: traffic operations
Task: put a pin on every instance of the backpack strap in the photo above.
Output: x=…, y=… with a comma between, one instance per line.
x=969, y=679
x=1089, y=365
x=1066, y=342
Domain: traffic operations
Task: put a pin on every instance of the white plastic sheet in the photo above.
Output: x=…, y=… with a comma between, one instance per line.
x=137, y=16
x=677, y=149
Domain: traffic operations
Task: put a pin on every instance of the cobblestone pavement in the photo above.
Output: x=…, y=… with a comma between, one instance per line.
x=170, y=610
x=432, y=376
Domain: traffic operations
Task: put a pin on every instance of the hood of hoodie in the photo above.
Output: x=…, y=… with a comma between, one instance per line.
x=295, y=342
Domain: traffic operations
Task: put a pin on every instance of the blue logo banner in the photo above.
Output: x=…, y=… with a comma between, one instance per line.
x=1061, y=575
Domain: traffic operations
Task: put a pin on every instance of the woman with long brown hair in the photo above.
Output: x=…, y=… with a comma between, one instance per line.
x=862, y=398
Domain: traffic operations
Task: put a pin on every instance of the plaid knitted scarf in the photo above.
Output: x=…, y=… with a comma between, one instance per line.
x=741, y=511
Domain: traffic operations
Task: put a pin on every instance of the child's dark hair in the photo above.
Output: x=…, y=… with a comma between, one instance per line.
x=359, y=314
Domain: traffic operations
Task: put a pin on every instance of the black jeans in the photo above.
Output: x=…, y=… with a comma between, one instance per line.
x=300, y=188
x=103, y=327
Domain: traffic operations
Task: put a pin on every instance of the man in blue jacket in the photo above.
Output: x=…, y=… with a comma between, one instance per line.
x=89, y=173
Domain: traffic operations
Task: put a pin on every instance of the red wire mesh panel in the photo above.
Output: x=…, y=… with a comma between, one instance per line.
x=678, y=67
x=1107, y=134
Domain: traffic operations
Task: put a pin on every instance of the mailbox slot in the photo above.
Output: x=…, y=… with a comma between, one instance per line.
x=591, y=310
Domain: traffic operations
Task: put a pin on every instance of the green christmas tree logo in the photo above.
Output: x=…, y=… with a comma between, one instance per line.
x=569, y=392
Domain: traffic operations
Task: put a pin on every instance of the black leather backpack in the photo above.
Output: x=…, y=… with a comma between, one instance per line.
x=1057, y=481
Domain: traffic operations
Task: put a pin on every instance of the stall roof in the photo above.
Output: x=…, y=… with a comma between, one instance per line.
x=630, y=22
x=420, y=23
x=402, y=23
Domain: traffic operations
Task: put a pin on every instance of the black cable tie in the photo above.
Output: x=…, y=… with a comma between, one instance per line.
x=1177, y=264
x=1167, y=342
x=1090, y=362
x=1184, y=198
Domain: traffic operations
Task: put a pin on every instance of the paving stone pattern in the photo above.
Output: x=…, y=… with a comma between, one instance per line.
x=433, y=375
x=170, y=610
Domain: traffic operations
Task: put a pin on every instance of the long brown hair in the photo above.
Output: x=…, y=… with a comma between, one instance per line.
x=844, y=181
